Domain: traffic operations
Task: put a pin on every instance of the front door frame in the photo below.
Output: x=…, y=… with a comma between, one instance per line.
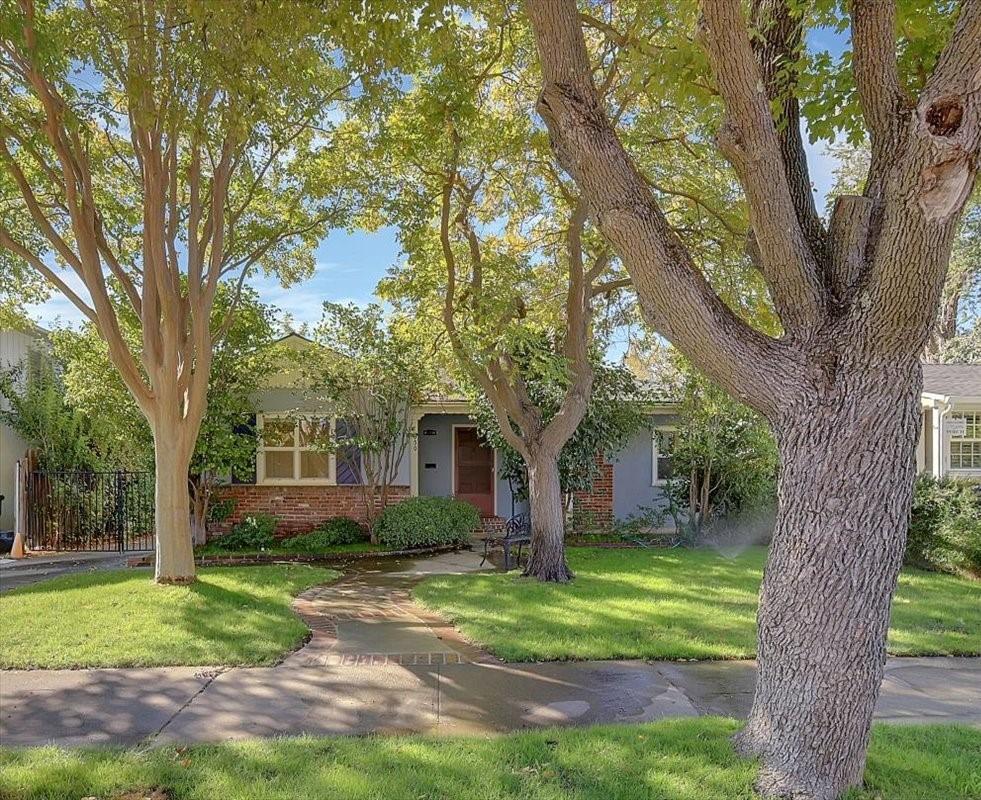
x=453, y=465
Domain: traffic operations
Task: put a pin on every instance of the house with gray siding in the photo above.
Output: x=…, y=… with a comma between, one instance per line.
x=445, y=457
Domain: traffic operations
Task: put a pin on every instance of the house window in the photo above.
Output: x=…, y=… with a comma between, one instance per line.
x=662, y=443
x=289, y=452
x=965, y=451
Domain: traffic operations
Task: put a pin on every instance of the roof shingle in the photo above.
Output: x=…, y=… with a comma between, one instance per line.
x=956, y=380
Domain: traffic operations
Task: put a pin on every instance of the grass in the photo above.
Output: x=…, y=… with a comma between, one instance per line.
x=337, y=549
x=672, y=604
x=238, y=615
x=680, y=759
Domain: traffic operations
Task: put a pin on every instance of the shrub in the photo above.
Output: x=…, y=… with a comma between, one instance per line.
x=945, y=526
x=426, y=522
x=255, y=532
x=333, y=532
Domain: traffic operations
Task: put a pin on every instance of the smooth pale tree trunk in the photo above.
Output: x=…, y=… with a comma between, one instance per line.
x=847, y=468
x=547, y=559
x=200, y=491
x=172, y=512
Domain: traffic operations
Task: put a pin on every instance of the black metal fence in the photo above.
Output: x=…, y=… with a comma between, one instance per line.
x=111, y=511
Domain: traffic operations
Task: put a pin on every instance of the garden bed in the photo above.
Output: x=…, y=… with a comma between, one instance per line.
x=337, y=555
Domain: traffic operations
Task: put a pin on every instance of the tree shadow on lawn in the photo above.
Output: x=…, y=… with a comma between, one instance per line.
x=238, y=615
x=681, y=762
x=669, y=760
x=691, y=604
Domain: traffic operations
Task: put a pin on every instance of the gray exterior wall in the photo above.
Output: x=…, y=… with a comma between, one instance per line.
x=282, y=400
x=633, y=469
x=437, y=449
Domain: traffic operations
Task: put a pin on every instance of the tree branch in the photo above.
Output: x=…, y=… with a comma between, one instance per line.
x=779, y=30
x=748, y=138
x=675, y=297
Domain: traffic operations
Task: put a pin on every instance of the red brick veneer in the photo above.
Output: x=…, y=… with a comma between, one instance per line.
x=299, y=508
x=598, y=503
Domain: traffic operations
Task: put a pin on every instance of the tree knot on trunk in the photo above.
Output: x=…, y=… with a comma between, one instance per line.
x=943, y=117
x=944, y=187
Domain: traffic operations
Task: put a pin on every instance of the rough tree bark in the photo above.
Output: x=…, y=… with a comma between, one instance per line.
x=840, y=387
x=830, y=576
x=547, y=559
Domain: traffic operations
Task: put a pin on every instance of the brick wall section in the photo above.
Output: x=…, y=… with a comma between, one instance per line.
x=299, y=508
x=598, y=503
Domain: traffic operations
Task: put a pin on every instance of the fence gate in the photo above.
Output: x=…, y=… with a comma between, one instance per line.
x=110, y=511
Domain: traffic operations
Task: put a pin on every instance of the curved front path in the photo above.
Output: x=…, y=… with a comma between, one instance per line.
x=376, y=662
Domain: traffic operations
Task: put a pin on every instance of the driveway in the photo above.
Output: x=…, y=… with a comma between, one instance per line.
x=35, y=568
x=377, y=663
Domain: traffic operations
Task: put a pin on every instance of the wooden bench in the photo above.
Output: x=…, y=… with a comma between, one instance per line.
x=517, y=531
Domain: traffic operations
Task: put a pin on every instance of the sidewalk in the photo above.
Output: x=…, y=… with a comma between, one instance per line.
x=185, y=704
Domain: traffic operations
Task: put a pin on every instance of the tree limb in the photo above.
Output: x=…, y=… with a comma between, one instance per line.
x=748, y=137
x=676, y=299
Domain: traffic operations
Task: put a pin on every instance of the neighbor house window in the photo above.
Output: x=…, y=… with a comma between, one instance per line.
x=965, y=451
x=662, y=443
x=289, y=451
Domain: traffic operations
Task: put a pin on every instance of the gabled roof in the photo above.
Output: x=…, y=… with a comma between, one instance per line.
x=952, y=380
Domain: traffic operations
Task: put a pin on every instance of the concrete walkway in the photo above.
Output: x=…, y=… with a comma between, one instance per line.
x=376, y=662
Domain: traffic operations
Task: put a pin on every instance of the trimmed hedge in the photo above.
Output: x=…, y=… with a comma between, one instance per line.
x=945, y=526
x=339, y=530
x=426, y=522
x=255, y=532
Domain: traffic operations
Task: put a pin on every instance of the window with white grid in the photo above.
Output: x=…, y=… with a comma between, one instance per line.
x=965, y=451
x=288, y=453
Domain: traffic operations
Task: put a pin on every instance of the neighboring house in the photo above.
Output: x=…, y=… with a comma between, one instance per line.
x=950, y=441
x=14, y=347
x=445, y=457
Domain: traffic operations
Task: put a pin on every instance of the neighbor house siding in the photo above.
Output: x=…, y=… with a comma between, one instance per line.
x=14, y=347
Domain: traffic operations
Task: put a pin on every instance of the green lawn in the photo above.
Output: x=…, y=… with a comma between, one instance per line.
x=670, y=604
x=230, y=615
x=680, y=759
x=335, y=550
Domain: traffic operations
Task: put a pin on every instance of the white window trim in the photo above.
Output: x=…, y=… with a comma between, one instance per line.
x=655, y=480
x=969, y=472
x=260, y=467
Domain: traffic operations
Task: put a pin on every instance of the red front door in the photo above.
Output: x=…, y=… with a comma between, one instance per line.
x=473, y=478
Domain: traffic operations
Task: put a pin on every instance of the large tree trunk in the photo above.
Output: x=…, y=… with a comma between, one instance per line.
x=547, y=559
x=847, y=469
x=172, y=512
